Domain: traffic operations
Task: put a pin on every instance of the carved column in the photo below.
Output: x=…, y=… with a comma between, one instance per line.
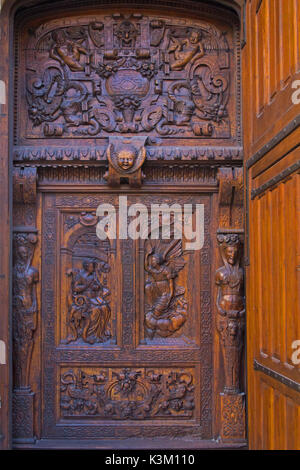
x=230, y=321
x=25, y=307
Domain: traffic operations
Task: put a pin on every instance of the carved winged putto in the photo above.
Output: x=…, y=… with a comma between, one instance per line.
x=129, y=74
x=88, y=305
x=125, y=159
x=166, y=307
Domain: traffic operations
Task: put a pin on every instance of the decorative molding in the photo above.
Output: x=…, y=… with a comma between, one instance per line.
x=277, y=376
x=98, y=153
x=274, y=181
x=288, y=129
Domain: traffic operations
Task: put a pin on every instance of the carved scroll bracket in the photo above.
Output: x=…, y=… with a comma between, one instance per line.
x=125, y=159
x=231, y=199
x=230, y=323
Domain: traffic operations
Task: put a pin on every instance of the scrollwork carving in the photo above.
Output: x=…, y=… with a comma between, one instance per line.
x=127, y=394
x=130, y=74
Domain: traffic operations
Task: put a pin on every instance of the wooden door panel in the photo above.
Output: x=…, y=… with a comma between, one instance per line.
x=272, y=173
x=120, y=372
x=126, y=337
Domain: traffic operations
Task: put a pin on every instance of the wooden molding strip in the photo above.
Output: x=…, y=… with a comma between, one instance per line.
x=277, y=376
x=294, y=124
x=281, y=176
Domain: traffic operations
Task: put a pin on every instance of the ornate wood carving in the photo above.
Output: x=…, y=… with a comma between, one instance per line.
x=231, y=325
x=24, y=306
x=231, y=308
x=231, y=198
x=125, y=160
x=129, y=74
x=166, y=307
x=130, y=95
x=128, y=394
x=156, y=152
x=25, y=312
x=233, y=417
x=89, y=310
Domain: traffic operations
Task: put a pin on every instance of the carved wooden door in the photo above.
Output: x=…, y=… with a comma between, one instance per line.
x=118, y=338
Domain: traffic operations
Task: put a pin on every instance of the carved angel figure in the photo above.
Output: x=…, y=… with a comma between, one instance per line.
x=89, y=311
x=186, y=50
x=166, y=304
x=67, y=52
x=231, y=309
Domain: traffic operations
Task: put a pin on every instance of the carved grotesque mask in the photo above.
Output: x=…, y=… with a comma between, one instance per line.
x=126, y=159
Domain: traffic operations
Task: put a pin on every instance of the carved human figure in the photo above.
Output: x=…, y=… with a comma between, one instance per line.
x=231, y=309
x=24, y=307
x=67, y=52
x=186, y=50
x=89, y=310
x=167, y=307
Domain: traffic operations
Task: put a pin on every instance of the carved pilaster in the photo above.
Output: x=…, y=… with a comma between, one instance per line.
x=230, y=198
x=25, y=307
x=230, y=323
x=233, y=417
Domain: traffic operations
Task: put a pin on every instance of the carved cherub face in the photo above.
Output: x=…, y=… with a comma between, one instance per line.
x=59, y=37
x=126, y=159
x=194, y=37
x=231, y=253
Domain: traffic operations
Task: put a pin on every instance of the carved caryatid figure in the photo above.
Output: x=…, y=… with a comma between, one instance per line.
x=231, y=309
x=67, y=51
x=24, y=306
x=186, y=50
x=89, y=310
x=166, y=305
